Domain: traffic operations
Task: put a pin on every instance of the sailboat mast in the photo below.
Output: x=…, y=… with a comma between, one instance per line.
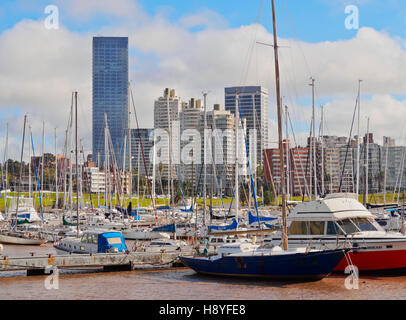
x=70, y=160
x=153, y=174
x=124, y=157
x=170, y=182
x=130, y=155
x=138, y=176
x=255, y=145
x=76, y=160
x=279, y=112
x=29, y=167
x=6, y=156
x=21, y=166
x=42, y=158
x=367, y=165
x=204, y=157
x=386, y=169
x=98, y=185
x=358, y=142
x=130, y=162
x=169, y=147
x=237, y=193
x=56, y=174
x=287, y=152
x=313, y=142
x=322, y=151
x=212, y=169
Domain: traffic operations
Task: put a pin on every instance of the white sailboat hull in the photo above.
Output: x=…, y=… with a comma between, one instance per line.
x=143, y=235
x=20, y=240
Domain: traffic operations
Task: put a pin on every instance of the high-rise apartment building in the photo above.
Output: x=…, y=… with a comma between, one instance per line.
x=166, y=128
x=189, y=119
x=221, y=151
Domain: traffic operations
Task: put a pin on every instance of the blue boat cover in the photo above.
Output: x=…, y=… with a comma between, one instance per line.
x=271, y=226
x=24, y=216
x=252, y=218
x=108, y=240
x=232, y=226
x=188, y=210
x=167, y=228
x=163, y=208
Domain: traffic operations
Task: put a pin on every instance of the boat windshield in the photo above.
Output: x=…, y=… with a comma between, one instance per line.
x=366, y=224
x=355, y=225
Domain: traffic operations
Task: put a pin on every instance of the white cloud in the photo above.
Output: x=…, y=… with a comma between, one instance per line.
x=84, y=10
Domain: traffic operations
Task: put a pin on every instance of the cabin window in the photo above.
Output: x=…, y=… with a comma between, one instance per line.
x=316, y=227
x=364, y=224
x=93, y=239
x=298, y=227
x=220, y=240
x=333, y=229
x=348, y=226
x=84, y=239
x=115, y=240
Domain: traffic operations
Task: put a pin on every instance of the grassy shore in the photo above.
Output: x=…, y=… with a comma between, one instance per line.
x=48, y=200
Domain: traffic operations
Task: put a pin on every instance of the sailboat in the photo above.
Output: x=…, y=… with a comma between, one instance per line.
x=244, y=259
x=12, y=235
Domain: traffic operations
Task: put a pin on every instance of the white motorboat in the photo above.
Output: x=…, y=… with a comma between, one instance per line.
x=165, y=245
x=213, y=243
x=341, y=221
x=143, y=234
x=93, y=241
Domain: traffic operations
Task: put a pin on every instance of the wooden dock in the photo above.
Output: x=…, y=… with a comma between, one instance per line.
x=40, y=265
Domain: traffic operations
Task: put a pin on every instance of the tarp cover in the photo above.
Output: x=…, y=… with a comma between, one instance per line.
x=103, y=242
x=232, y=226
x=167, y=228
x=252, y=218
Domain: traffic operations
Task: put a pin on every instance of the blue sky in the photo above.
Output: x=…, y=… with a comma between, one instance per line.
x=314, y=20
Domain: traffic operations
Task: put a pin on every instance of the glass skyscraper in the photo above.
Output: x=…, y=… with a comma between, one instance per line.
x=110, y=94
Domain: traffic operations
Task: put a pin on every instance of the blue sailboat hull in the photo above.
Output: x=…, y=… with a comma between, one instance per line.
x=304, y=266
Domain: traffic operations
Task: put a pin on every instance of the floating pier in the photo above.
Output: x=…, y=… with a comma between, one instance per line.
x=40, y=265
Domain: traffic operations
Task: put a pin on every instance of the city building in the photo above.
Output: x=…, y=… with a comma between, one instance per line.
x=253, y=107
x=296, y=171
x=144, y=137
x=110, y=94
x=189, y=119
x=221, y=151
x=96, y=179
x=166, y=125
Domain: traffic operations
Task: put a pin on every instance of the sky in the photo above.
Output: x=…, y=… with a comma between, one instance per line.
x=205, y=45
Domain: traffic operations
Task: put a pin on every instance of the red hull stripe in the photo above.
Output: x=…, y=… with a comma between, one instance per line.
x=375, y=260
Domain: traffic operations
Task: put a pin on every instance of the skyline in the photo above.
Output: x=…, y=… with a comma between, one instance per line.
x=203, y=46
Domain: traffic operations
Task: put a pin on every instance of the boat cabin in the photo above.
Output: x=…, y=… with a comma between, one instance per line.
x=333, y=215
x=94, y=241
